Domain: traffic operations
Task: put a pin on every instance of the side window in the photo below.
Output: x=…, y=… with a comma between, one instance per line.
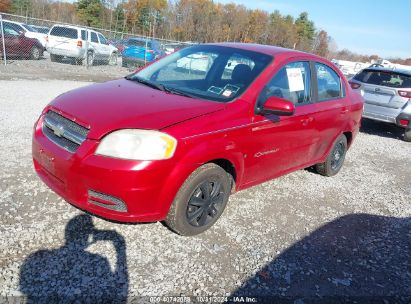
x=102, y=39
x=292, y=82
x=83, y=35
x=329, y=83
x=94, y=37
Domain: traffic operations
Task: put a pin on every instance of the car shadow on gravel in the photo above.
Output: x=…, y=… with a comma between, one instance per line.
x=358, y=258
x=72, y=274
x=378, y=128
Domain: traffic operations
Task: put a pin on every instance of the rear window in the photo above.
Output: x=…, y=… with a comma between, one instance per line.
x=133, y=42
x=64, y=32
x=384, y=78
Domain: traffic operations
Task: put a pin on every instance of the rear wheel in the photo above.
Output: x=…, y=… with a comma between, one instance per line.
x=200, y=201
x=90, y=58
x=35, y=53
x=78, y=61
x=335, y=158
x=55, y=58
x=407, y=135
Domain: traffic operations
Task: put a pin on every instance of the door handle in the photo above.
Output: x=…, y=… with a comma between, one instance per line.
x=344, y=110
x=306, y=121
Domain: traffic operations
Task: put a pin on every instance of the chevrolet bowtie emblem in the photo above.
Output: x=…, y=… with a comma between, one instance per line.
x=58, y=130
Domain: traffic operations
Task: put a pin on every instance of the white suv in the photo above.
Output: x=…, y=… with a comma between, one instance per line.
x=77, y=44
x=28, y=31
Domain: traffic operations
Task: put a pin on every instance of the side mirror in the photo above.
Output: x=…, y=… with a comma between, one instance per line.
x=277, y=106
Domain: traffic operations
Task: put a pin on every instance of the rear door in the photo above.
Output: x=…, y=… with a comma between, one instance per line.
x=332, y=106
x=95, y=45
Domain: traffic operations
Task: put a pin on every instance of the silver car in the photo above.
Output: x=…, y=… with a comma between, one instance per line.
x=387, y=96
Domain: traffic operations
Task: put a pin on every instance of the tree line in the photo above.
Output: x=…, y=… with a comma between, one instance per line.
x=190, y=20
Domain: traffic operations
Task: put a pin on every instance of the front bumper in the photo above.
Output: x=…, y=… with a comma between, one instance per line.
x=77, y=176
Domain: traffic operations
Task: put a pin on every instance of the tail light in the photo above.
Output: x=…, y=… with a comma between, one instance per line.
x=404, y=122
x=80, y=43
x=406, y=94
x=354, y=85
x=47, y=38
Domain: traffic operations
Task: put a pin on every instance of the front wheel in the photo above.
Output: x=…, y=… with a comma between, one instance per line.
x=407, y=135
x=113, y=59
x=335, y=158
x=200, y=201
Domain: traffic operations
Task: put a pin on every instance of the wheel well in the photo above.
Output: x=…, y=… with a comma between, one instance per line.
x=229, y=168
x=348, y=135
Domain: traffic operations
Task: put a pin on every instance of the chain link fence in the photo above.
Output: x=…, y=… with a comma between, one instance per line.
x=32, y=39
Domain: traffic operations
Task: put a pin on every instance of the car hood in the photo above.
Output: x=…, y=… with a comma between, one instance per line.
x=122, y=104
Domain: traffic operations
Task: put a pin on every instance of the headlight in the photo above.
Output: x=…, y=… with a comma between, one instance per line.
x=138, y=145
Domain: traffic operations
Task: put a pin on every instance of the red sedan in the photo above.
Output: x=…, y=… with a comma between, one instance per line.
x=18, y=45
x=172, y=141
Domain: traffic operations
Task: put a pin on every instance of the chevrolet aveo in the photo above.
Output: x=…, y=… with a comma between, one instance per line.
x=172, y=141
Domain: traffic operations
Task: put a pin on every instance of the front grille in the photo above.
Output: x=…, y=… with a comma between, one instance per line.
x=64, y=132
x=106, y=201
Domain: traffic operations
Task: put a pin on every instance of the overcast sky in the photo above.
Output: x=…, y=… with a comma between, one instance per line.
x=366, y=27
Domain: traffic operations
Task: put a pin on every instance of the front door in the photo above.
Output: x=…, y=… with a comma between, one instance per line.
x=281, y=143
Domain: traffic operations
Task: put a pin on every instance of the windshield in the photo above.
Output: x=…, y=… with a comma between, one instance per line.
x=29, y=28
x=209, y=72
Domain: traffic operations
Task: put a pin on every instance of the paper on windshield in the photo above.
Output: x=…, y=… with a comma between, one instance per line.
x=295, y=79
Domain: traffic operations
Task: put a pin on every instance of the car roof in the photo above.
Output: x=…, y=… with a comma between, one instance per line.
x=140, y=39
x=388, y=70
x=15, y=22
x=265, y=49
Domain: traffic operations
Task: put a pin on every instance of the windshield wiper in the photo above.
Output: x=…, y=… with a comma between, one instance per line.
x=146, y=82
x=177, y=92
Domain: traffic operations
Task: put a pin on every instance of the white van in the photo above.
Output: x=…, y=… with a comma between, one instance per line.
x=77, y=44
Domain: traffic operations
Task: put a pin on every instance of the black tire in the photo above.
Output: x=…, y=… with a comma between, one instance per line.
x=407, y=135
x=335, y=158
x=90, y=58
x=55, y=58
x=78, y=61
x=193, y=211
x=113, y=59
x=35, y=53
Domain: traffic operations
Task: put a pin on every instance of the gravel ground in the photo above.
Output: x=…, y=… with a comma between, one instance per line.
x=302, y=237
